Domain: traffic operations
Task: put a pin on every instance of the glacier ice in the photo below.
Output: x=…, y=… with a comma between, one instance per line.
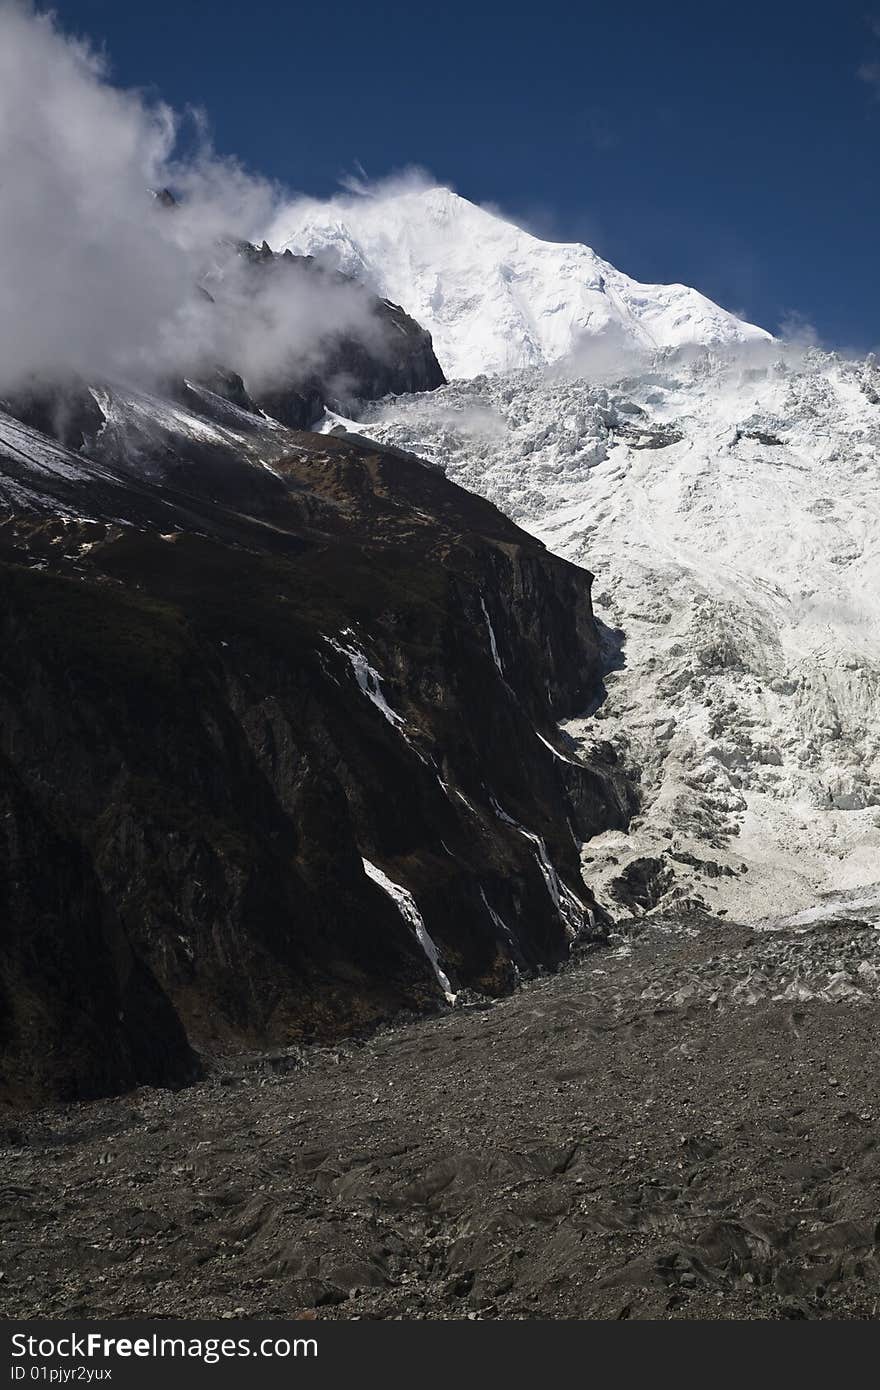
x=728, y=503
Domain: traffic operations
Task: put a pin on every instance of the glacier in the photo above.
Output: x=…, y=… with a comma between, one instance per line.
x=728, y=502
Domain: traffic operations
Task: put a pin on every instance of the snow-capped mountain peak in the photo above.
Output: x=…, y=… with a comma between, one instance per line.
x=494, y=296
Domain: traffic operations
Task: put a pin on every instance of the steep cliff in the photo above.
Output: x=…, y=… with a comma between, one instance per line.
x=278, y=747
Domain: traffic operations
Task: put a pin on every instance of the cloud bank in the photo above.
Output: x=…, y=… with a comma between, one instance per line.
x=98, y=278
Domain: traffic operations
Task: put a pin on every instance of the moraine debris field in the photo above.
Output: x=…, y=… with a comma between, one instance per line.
x=680, y=1125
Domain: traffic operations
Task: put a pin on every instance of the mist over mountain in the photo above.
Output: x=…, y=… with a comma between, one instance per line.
x=125, y=238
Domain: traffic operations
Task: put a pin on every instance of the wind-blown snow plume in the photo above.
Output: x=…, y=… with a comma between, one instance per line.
x=99, y=278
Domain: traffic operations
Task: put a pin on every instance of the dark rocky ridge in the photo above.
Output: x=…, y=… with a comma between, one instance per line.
x=191, y=773
x=389, y=354
x=351, y=371
x=396, y=357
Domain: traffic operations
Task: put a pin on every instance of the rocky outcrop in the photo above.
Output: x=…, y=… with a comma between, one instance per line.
x=223, y=694
x=379, y=352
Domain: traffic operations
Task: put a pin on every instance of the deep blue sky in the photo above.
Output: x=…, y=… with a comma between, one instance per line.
x=732, y=146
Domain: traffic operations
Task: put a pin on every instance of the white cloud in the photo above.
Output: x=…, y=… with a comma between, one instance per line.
x=96, y=277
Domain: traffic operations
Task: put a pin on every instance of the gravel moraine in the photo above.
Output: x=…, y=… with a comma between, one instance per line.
x=684, y=1125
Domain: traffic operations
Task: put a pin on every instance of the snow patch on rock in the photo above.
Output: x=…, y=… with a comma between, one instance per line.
x=366, y=676
x=408, y=909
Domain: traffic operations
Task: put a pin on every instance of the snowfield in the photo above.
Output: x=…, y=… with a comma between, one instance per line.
x=493, y=296
x=729, y=505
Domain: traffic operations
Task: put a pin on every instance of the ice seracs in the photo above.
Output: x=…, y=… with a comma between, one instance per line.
x=728, y=504
x=493, y=296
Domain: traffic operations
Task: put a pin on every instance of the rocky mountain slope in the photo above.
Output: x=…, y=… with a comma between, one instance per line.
x=494, y=297
x=728, y=503
x=262, y=688
x=279, y=750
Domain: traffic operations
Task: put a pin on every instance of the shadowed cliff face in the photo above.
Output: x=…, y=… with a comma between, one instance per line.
x=226, y=686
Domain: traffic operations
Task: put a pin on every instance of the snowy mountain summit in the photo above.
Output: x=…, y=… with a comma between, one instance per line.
x=493, y=296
